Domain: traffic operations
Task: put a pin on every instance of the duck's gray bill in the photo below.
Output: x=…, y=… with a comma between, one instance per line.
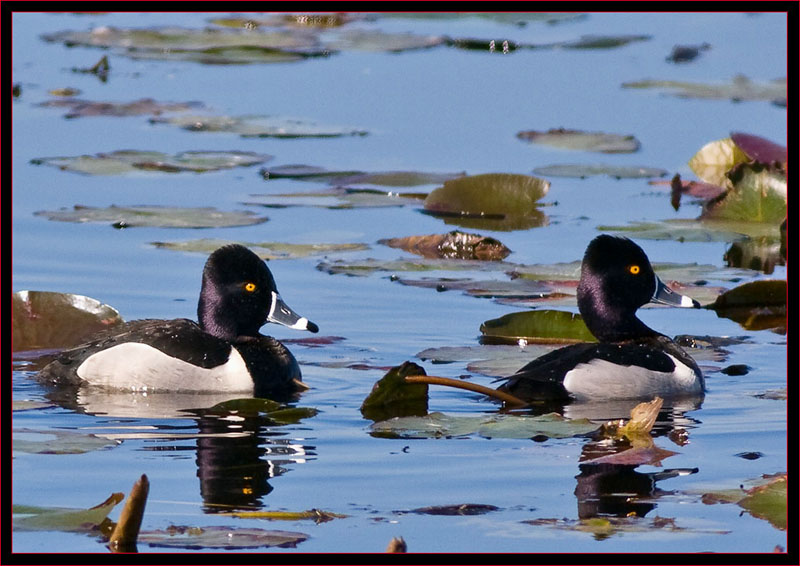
x=280, y=313
x=667, y=296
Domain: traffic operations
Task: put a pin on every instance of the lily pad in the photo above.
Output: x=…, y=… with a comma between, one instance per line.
x=766, y=500
x=542, y=326
x=688, y=230
x=44, y=319
x=219, y=537
x=715, y=159
x=757, y=194
x=154, y=216
x=489, y=360
x=264, y=250
x=510, y=200
x=340, y=198
x=369, y=266
x=252, y=407
x=453, y=245
x=757, y=305
x=127, y=161
x=30, y=518
x=739, y=89
x=582, y=141
x=583, y=170
x=253, y=126
x=83, y=108
x=392, y=396
x=439, y=425
x=375, y=40
x=317, y=515
x=602, y=41
x=456, y=510
x=58, y=442
x=760, y=149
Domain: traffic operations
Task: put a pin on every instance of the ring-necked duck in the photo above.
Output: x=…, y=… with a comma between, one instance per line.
x=223, y=353
x=630, y=360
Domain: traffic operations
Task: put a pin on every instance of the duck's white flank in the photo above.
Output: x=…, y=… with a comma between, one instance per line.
x=601, y=379
x=140, y=367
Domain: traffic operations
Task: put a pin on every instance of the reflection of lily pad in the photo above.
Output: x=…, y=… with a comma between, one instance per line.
x=544, y=326
x=259, y=126
x=127, y=161
x=507, y=199
x=265, y=250
x=582, y=141
x=154, y=216
x=27, y=518
x=228, y=538
x=582, y=171
x=43, y=319
x=739, y=89
x=439, y=425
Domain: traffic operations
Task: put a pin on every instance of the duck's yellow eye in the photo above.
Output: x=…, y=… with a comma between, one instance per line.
x=634, y=269
x=249, y=287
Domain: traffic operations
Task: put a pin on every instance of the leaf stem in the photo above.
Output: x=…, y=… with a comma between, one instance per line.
x=449, y=382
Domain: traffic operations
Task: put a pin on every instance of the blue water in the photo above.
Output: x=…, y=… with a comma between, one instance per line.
x=433, y=110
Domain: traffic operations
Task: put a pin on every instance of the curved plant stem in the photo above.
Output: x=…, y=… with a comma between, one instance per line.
x=448, y=382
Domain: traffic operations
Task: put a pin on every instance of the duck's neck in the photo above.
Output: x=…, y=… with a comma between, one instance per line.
x=612, y=324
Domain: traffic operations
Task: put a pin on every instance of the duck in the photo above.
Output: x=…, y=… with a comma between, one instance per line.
x=629, y=360
x=223, y=352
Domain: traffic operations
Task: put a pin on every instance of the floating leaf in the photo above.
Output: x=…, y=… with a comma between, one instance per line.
x=543, y=326
x=715, y=159
x=456, y=510
x=340, y=198
x=29, y=518
x=490, y=360
x=583, y=170
x=688, y=230
x=154, y=216
x=509, y=200
x=317, y=515
x=127, y=161
x=363, y=267
x=375, y=40
x=453, y=245
x=739, y=89
x=757, y=194
x=766, y=500
x=582, y=141
x=757, y=305
x=251, y=126
x=58, y=442
x=393, y=396
x=602, y=41
x=44, y=319
x=759, y=149
x=264, y=250
x=251, y=407
x=439, y=425
x=83, y=108
x=227, y=538
x=686, y=53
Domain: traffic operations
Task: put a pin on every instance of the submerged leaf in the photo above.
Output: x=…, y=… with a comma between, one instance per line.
x=227, y=538
x=259, y=126
x=439, y=425
x=582, y=171
x=128, y=161
x=582, y=141
x=44, y=319
x=392, y=396
x=154, y=216
x=29, y=518
x=264, y=250
x=453, y=245
x=543, y=326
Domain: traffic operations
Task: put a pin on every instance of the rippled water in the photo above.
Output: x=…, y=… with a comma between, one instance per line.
x=440, y=110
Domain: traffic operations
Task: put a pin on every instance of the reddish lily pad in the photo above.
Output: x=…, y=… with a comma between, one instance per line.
x=760, y=149
x=453, y=245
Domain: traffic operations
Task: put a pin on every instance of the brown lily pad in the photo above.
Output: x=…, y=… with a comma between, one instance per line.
x=453, y=245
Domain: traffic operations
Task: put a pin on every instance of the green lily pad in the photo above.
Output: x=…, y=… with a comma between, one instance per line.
x=58, y=442
x=757, y=305
x=583, y=170
x=219, y=537
x=251, y=407
x=83, y=108
x=340, y=198
x=439, y=425
x=739, y=89
x=542, y=326
x=603, y=41
x=392, y=396
x=604, y=527
x=252, y=126
x=582, y=141
x=766, y=500
x=509, y=200
x=688, y=230
x=154, y=216
x=264, y=250
x=127, y=161
x=453, y=245
x=30, y=518
x=757, y=194
x=45, y=319
x=375, y=40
